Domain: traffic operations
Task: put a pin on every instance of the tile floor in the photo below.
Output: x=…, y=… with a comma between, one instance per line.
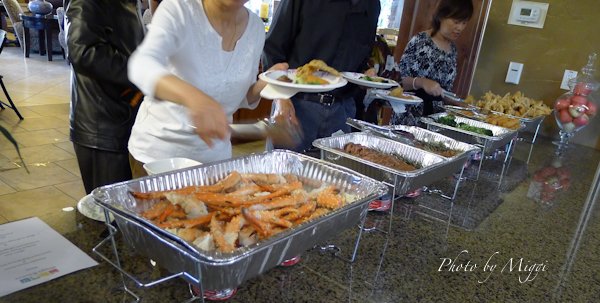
x=40, y=89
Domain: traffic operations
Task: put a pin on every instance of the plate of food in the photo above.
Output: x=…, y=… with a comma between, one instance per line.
x=398, y=95
x=369, y=81
x=314, y=77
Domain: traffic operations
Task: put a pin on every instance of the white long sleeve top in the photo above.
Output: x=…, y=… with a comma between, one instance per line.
x=181, y=41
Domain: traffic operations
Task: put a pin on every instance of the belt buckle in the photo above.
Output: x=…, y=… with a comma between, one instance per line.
x=326, y=99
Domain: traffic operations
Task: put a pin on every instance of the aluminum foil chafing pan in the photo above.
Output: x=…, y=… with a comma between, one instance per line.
x=427, y=136
x=501, y=136
x=433, y=167
x=528, y=124
x=216, y=270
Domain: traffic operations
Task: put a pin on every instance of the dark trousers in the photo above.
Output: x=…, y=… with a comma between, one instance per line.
x=100, y=167
x=319, y=121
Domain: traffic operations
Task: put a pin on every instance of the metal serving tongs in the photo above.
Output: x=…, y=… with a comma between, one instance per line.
x=477, y=114
x=398, y=135
x=281, y=133
x=452, y=96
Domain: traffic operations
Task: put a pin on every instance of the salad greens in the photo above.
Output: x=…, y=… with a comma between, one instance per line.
x=450, y=121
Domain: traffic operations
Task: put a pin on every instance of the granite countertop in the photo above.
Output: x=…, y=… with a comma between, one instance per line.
x=554, y=255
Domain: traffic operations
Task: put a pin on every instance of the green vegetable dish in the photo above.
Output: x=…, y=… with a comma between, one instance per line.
x=450, y=120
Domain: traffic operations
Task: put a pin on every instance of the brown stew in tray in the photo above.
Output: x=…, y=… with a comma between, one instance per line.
x=375, y=156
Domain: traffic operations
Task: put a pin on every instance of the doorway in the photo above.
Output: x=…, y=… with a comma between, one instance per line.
x=416, y=17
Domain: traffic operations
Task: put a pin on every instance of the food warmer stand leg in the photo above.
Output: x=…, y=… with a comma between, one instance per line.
x=117, y=264
x=336, y=251
x=532, y=142
x=537, y=129
x=506, y=162
x=483, y=149
x=444, y=196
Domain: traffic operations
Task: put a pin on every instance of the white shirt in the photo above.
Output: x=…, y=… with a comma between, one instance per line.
x=182, y=42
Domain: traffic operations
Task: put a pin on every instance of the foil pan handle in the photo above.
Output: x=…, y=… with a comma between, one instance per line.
x=332, y=156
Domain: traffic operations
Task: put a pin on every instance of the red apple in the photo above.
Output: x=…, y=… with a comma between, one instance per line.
x=581, y=88
x=581, y=121
x=564, y=116
x=578, y=100
x=562, y=104
x=538, y=178
x=568, y=127
x=563, y=173
x=591, y=109
x=547, y=172
x=576, y=110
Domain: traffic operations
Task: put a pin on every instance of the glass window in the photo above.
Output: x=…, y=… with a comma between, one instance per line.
x=391, y=13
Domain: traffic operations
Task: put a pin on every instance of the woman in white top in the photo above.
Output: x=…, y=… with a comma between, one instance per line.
x=197, y=65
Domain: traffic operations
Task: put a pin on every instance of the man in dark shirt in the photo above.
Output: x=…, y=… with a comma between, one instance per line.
x=339, y=32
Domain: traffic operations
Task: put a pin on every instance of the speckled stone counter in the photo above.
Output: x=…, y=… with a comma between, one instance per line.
x=498, y=246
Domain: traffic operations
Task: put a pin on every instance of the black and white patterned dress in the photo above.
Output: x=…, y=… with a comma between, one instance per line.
x=423, y=58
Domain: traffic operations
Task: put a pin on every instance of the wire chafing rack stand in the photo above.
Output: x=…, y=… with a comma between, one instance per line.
x=489, y=145
x=398, y=185
x=140, y=284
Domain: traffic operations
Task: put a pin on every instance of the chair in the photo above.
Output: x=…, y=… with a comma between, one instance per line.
x=14, y=10
x=10, y=105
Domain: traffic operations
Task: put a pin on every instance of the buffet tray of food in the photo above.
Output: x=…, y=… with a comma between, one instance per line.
x=527, y=124
x=420, y=138
x=220, y=257
x=531, y=112
x=354, y=151
x=491, y=137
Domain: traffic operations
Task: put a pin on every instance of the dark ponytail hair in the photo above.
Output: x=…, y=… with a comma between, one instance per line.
x=451, y=9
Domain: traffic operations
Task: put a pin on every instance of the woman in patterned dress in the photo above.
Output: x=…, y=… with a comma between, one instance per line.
x=428, y=65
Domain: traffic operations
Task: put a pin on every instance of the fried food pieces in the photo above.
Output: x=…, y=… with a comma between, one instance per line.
x=305, y=74
x=239, y=210
x=516, y=105
x=503, y=121
x=398, y=92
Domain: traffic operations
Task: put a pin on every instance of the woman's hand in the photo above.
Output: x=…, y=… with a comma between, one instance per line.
x=284, y=112
x=431, y=87
x=280, y=66
x=208, y=117
x=253, y=94
x=371, y=72
x=206, y=114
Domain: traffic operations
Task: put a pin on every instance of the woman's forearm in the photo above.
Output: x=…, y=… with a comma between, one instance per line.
x=411, y=83
x=174, y=89
x=253, y=94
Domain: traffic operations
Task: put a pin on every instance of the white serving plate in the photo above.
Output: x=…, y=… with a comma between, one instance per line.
x=276, y=89
x=87, y=207
x=356, y=79
x=409, y=99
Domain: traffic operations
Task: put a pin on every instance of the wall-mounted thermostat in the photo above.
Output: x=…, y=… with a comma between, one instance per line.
x=528, y=13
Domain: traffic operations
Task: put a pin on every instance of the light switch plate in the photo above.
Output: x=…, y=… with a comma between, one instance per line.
x=568, y=75
x=514, y=72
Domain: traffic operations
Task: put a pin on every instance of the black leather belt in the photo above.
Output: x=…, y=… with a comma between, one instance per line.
x=322, y=98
